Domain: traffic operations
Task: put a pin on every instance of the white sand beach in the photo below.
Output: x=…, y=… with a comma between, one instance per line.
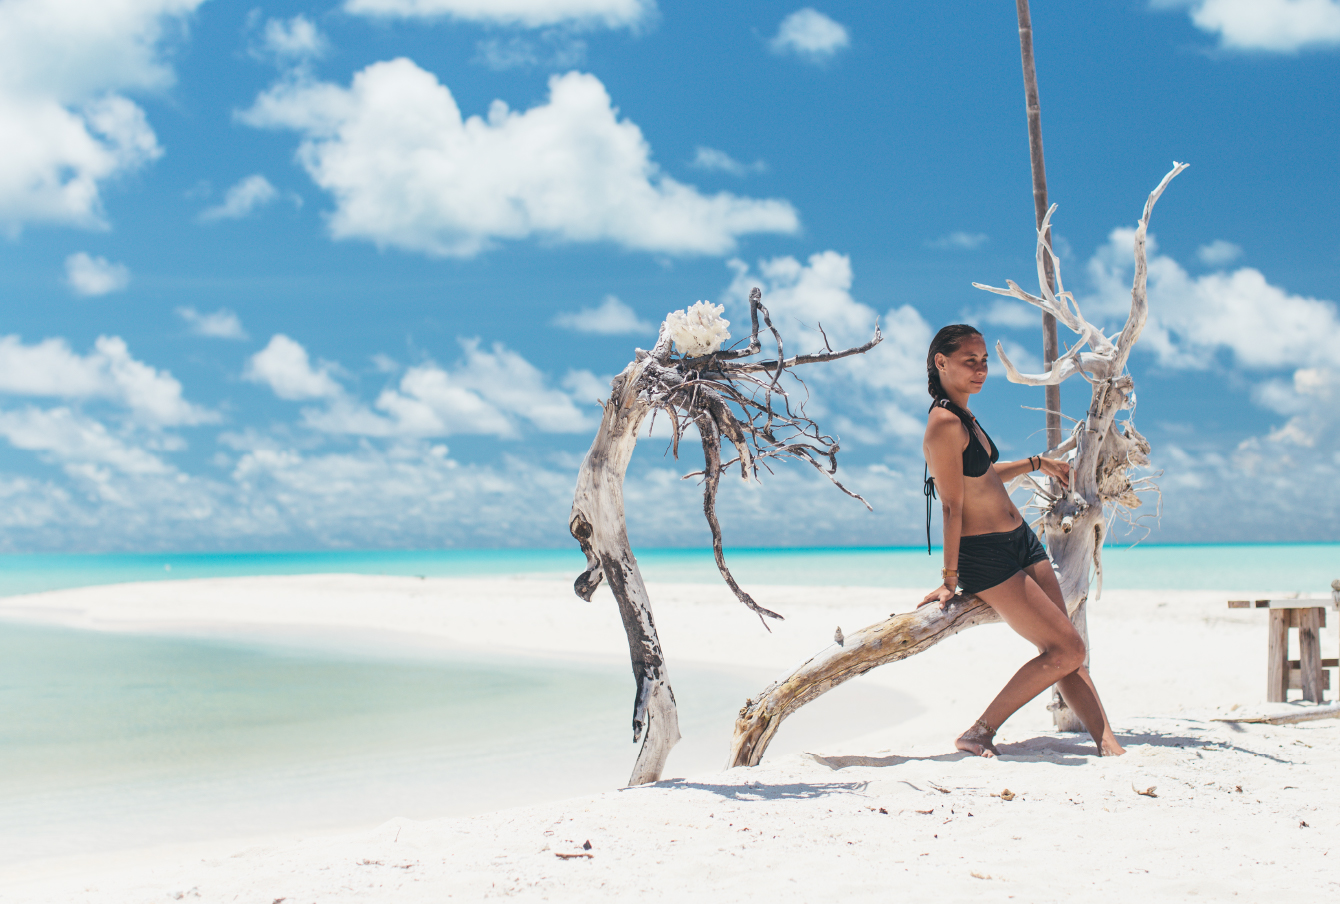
x=1197, y=808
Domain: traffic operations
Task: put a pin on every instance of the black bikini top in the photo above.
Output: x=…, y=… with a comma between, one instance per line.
x=976, y=460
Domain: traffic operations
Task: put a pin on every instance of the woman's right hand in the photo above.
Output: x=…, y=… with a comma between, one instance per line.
x=941, y=595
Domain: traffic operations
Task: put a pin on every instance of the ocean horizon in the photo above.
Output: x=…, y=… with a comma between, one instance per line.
x=1305, y=568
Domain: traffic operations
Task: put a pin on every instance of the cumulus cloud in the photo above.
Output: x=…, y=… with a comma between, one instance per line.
x=810, y=35
x=610, y=318
x=51, y=368
x=248, y=195
x=284, y=366
x=407, y=170
x=86, y=275
x=292, y=40
x=221, y=324
x=1191, y=319
x=527, y=13
x=67, y=128
x=489, y=391
x=1271, y=26
x=959, y=241
x=876, y=389
x=712, y=160
x=73, y=438
x=1218, y=253
x=1289, y=476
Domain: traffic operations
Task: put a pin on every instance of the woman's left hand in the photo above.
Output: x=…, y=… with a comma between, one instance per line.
x=940, y=595
x=1055, y=467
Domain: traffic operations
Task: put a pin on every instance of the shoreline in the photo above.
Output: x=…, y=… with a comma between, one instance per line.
x=1165, y=662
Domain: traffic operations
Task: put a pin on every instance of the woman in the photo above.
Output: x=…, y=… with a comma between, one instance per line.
x=989, y=550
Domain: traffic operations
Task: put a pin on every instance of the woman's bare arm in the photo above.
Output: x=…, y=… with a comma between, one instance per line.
x=1008, y=470
x=943, y=446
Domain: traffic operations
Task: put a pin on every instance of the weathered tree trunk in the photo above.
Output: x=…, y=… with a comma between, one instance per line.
x=597, y=522
x=1102, y=454
x=744, y=401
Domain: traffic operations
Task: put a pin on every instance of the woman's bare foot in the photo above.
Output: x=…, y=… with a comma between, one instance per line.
x=978, y=740
x=1109, y=746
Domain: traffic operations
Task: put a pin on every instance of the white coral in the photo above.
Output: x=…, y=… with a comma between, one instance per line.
x=698, y=330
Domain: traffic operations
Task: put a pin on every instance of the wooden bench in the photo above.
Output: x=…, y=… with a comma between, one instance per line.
x=1309, y=672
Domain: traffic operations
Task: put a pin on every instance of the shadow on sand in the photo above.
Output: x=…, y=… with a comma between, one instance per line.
x=751, y=790
x=1062, y=750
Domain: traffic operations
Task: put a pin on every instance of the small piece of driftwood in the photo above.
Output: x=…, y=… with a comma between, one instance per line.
x=1303, y=715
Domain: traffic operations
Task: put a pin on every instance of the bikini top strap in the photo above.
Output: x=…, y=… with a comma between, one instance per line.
x=928, y=488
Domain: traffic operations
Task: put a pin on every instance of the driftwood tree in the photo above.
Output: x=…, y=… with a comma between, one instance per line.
x=755, y=405
x=1103, y=453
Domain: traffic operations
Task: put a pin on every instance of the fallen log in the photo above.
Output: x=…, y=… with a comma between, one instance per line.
x=897, y=637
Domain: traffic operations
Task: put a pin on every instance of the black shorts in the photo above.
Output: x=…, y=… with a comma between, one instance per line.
x=985, y=560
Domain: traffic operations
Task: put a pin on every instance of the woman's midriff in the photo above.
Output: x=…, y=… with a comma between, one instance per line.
x=987, y=508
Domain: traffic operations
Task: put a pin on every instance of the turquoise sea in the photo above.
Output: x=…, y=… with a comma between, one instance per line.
x=1304, y=567
x=114, y=741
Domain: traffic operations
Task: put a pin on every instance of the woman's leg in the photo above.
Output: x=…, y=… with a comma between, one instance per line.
x=1077, y=688
x=1028, y=610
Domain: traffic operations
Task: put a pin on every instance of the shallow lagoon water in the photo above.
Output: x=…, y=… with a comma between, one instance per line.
x=114, y=741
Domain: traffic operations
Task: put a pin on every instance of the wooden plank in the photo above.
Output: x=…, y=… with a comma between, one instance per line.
x=1302, y=602
x=1325, y=664
x=1309, y=652
x=1296, y=680
x=1239, y=604
x=1277, y=653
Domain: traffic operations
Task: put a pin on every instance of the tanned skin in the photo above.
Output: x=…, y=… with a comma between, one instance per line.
x=1030, y=602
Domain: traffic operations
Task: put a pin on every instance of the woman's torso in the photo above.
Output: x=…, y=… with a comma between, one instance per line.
x=987, y=507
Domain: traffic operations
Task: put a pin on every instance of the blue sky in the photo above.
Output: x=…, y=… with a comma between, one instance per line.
x=351, y=274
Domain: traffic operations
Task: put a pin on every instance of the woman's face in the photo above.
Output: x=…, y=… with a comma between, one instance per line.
x=964, y=370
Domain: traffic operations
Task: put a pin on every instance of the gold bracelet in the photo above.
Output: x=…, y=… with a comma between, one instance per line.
x=945, y=573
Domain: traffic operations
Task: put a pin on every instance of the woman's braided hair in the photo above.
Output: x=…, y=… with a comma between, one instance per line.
x=946, y=342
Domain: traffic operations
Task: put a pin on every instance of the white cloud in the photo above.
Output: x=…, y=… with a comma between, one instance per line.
x=528, y=13
x=67, y=129
x=1191, y=319
x=249, y=194
x=50, y=368
x=94, y=275
x=71, y=437
x=1218, y=253
x=221, y=324
x=284, y=366
x=810, y=35
x=610, y=318
x=959, y=241
x=586, y=387
x=876, y=389
x=493, y=392
x=1011, y=313
x=406, y=170
x=557, y=48
x=719, y=161
x=1276, y=26
x=292, y=40
x=488, y=391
